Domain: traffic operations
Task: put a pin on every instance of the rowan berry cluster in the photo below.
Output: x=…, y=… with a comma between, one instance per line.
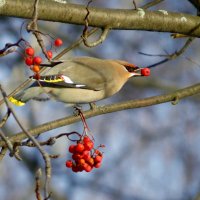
x=34, y=61
x=84, y=156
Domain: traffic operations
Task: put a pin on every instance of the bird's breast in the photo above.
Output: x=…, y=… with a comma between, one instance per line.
x=76, y=95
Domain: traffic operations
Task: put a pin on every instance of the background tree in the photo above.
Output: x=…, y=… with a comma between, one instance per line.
x=151, y=152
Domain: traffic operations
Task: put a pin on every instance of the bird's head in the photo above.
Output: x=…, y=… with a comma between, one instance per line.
x=143, y=71
x=134, y=70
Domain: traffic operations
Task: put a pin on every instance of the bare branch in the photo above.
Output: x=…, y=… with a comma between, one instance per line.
x=28, y=134
x=10, y=47
x=5, y=118
x=195, y=3
x=152, y=3
x=75, y=44
x=171, y=56
x=3, y=153
x=102, y=37
x=118, y=18
x=49, y=142
x=134, y=4
x=9, y=146
x=38, y=184
x=100, y=110
x=32, y=27
x=5, y=139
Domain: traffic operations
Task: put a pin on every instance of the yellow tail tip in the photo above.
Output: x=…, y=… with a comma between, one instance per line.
x=16, y=102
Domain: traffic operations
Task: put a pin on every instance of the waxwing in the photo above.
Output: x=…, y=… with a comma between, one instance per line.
x=80, y=80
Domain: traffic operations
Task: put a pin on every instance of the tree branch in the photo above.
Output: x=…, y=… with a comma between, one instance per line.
x=30, y=136
x=3, y=153
x=195, y=3
x=170, y=56
x=100, y=17
x=173, y=97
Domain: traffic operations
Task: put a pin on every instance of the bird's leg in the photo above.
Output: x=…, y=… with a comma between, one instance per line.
x=77, y=109
x=93, y=106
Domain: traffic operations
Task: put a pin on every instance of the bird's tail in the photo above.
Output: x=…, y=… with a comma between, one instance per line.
x=22, y=97
x=16, y=102
x=18, y=99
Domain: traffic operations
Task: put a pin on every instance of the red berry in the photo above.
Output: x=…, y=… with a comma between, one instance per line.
x=98, y=159
x=97, y=152
x=145, y=71
x=80, y=168
x=97, y=165
x=89, y=145
x=86, y=155
x=81, y=161
x=90, y=161
x=29, y=61
x=35, y=68
x=69, y=164
x=75, y=168
x=29, y=51
x=58, y=42
x=86, y=139
x=37, y=60
x=72, y=148
x=76, y=156
x=49, y=54
x=79, y=148
x=87, y=167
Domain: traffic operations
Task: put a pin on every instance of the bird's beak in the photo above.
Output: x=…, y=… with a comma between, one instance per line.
x=136, y=74
x=141, y=72
x=137, y=71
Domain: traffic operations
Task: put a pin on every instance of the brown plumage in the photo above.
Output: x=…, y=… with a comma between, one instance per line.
x=80, y=80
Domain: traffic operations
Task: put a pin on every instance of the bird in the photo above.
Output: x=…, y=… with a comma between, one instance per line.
x=80, y=80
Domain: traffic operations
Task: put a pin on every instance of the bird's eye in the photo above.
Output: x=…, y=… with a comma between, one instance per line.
x=131, y=69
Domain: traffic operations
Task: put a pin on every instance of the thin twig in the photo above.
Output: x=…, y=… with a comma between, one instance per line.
x=102, y=37
x=84, y=35
x=75, y=44
x=32, y=27
x=3, y=152
x=64, y=51
x=134, y=4
x=5, y=118
x=171, y=56
x=151, y=4
x=50, y=141
x=10, y=47
x=9, y=146
x=5, y=139
x=44, y=154
x=38, y=184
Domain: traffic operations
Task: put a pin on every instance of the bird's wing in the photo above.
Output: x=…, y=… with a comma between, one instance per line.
x=77, y=73
x=58, y=80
